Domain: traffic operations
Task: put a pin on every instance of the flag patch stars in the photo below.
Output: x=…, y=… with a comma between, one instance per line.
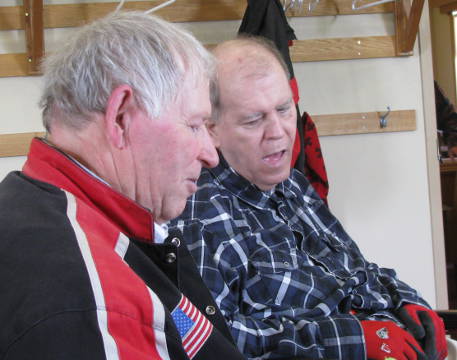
x=193, y=327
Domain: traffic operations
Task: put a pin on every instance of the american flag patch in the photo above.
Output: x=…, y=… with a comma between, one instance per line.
x=193, y=327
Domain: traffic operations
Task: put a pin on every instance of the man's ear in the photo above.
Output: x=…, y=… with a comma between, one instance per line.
x=117, y=119
x=214, y=130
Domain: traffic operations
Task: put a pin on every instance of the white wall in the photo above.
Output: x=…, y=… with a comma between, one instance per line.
x=378, y=182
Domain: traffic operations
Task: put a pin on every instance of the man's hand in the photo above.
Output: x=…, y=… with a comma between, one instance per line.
x=427, y=327
x=385, y=339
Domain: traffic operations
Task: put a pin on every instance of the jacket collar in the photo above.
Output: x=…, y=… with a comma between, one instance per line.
x=50, y=165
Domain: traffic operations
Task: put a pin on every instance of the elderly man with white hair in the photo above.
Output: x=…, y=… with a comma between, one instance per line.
x=87, y=270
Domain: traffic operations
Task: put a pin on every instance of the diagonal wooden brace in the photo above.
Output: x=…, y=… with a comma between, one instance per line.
x=407, y=18
x=34, y=33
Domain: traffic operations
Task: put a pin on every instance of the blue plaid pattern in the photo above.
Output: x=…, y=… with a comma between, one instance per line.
x=282, y=269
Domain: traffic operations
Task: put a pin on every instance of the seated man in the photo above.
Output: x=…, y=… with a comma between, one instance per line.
x=87, y=271
x=286, y=276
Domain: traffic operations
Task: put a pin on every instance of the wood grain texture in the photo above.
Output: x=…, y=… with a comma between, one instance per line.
x=34, y=34
x=449, y=8
x=71, y=15
x=303, y=50
x=343, y=48
x=439, y=3
x=334, y=124
x=363, y=123
x=407, y=18
x=16, y=144
x=13, y=65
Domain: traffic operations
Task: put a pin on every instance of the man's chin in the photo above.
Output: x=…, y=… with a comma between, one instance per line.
x=270, y=181
x=171, y=212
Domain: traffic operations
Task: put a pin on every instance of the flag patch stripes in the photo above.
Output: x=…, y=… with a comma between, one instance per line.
x=194, y=328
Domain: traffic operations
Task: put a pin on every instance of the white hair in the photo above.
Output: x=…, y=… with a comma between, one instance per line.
x=150, y=55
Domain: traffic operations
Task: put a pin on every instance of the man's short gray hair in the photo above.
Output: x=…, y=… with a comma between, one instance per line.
x=250, y=41
x=150, y=55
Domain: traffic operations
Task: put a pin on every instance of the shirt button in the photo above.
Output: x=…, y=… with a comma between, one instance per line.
x=210, y=310
x=176, y=242
x=170, y=258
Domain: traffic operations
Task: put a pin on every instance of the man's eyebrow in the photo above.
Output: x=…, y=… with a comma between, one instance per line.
x=286, y=103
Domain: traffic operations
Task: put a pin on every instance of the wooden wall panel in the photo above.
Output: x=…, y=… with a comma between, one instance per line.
x=303, y=50
x=13, y=65
x=70, y=15
x=363, y=123
x=343, y=48
x=16, y=144
x=327, y=125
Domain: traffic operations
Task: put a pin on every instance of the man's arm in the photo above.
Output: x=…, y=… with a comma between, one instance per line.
x=274, y=331
x=282, y=331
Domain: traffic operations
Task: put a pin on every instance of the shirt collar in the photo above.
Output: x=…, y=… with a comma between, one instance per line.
x=245, y=190
x=48, y=164
x=160, y=233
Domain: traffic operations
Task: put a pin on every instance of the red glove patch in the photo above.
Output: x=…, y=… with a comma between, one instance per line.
x=385, y=339
x=427, y=327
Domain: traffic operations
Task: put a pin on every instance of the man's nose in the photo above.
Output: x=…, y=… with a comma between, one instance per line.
x=274, y=128
x=208, y=153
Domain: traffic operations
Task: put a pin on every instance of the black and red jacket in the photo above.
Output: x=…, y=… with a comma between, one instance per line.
x=81, y=277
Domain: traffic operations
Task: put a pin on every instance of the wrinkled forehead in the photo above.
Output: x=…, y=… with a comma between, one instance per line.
x=236, y=79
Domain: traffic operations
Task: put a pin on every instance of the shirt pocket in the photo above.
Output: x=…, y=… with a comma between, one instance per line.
x=270, y=272
x=330, y=253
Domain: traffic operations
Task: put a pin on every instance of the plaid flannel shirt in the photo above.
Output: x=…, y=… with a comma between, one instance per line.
x=282, y=269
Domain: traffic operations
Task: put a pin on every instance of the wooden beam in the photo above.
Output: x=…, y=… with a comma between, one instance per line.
x=402, y=8
x=363, y=123
x=72, y=15
x=439, y=3
x=407, y=18
x=334, y=124
x=34, y=34
x=413, y=24
x=13, y=65
x=343, y=48
x=16, y=144
x=447, y=9
x=301, y=51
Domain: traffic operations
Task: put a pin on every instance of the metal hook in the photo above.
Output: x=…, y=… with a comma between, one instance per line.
x=383, y=118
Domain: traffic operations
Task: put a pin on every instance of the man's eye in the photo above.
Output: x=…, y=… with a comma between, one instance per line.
x=283, y=110
x=251, y=121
